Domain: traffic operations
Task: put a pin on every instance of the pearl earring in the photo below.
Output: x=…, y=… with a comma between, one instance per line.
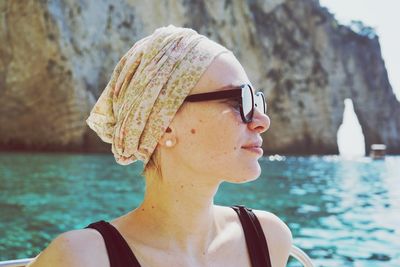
x=168, y=143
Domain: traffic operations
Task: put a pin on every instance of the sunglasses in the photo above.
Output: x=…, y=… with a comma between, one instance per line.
x=244, y=96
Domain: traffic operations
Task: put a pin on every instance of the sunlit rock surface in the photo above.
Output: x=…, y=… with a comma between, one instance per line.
x=57, y=56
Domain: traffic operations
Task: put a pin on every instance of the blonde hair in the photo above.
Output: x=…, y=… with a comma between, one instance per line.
x=152, y=169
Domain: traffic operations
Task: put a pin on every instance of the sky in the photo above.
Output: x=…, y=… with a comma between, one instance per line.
x=384, y=17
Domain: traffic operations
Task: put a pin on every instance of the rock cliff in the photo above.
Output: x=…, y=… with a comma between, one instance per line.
x=56, y=58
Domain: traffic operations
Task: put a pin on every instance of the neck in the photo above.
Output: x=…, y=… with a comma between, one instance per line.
x=180, y=211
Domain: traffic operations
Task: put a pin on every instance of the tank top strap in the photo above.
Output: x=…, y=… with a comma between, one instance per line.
x=119, y=252
x=255, y=238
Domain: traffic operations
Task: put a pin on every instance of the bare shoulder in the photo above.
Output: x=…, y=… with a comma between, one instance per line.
x=74, y=248
x=278, y=235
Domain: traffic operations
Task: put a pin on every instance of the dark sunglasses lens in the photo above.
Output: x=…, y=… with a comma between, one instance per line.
x=247, y=103
x=260, y=104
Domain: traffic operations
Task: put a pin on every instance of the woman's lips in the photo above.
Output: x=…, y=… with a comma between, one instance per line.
x=255, y=149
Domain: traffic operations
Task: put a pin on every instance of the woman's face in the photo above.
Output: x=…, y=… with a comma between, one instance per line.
x=210, y=135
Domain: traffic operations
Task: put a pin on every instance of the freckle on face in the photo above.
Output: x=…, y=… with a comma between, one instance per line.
x=193, y=131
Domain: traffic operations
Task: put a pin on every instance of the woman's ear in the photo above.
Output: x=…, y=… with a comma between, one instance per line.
x=168, y=139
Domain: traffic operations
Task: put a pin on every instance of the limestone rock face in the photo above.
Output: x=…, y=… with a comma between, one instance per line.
x=312, y=65
x=43, y=103
x=57, y=56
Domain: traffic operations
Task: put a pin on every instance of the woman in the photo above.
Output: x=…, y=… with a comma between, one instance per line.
x=183, y=105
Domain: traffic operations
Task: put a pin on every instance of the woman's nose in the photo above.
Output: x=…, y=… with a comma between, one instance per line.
x=260, y=122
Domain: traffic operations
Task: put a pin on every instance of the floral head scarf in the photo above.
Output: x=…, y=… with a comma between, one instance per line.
x=146, y=89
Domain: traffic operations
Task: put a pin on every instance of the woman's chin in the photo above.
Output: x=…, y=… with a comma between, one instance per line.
x=241, y=180
x=246, y=177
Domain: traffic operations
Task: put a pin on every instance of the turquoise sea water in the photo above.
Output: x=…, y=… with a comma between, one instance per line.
x=341, y=212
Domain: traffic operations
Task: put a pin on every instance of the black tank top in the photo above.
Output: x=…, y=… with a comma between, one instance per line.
x=120, y=255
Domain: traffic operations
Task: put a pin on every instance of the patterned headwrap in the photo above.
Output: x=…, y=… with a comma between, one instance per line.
x=146, y=89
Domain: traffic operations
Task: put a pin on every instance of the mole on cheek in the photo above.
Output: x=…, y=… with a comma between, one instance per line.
x=193, y=131
x=234, y=148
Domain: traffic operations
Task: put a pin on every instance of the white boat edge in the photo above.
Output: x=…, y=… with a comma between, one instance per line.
x=16, y=263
